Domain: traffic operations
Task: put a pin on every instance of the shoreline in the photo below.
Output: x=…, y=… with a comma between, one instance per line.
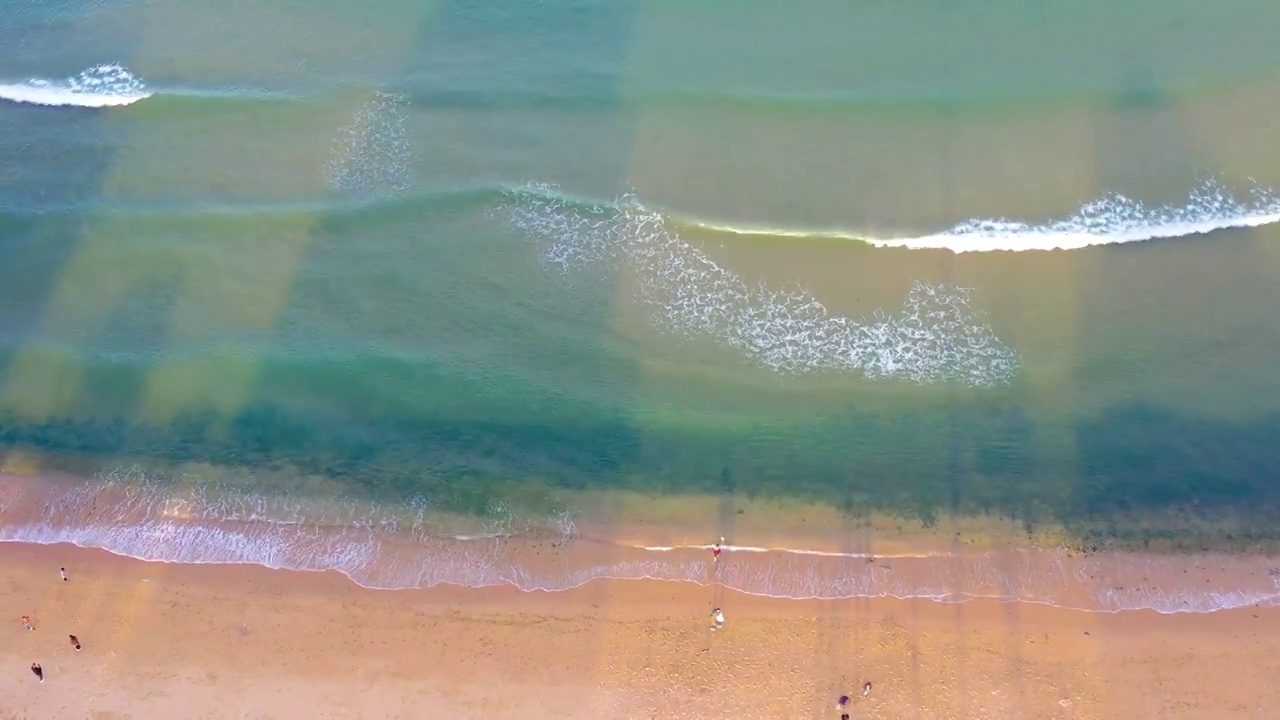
x=1177, y=602
x=814, y=523
x=852, y=562
x=214, y=640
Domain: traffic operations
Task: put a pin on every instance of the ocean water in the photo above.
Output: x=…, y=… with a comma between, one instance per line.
x=329, y=271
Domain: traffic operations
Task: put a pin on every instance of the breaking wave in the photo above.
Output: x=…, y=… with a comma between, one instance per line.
x=1110, y=220
x=98, y=87
x=937, y=336
x=384, y=547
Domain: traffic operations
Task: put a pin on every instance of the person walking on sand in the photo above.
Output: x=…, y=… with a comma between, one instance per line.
x=26, y=622
x=75, y=642
x=866, y=688
x=63, y=573
x=717, y=619
x=37, y=671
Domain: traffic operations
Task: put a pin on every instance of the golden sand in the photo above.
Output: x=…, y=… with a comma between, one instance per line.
x=169, y=641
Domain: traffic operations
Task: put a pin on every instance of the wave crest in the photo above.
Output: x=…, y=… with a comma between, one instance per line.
x=937, y=336
x=1112, y=219
x=97, y=87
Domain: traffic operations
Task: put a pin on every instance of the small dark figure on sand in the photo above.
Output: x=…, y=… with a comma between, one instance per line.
x=844, y=716
x=844, y=700
x=38, y=671
x=75, y=642
x=866, y=688
x=63, y=573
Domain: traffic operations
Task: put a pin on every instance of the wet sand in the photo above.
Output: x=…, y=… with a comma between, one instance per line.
x=167, y=640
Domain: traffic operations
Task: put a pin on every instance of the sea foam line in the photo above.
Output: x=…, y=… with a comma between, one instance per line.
x=393, y=547
x=1109, y=220
x=447, y=573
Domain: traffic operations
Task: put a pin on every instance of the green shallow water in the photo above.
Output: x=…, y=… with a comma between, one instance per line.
x=300, y=253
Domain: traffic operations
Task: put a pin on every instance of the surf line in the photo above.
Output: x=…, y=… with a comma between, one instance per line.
x=1110, y=219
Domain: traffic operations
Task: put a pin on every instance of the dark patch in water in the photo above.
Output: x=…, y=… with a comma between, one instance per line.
x=1132, y=460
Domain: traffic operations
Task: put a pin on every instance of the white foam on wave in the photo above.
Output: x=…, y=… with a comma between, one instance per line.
x=98, y=87
x=383, y=547
x=372, y=153
x=937, y=336
x=1110, y=220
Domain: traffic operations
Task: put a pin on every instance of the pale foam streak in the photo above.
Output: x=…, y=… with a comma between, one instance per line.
x=98, y=87
x=372, y=154
x=937, y=335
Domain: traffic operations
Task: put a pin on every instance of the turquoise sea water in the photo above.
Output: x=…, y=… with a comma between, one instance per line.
x=946, y=258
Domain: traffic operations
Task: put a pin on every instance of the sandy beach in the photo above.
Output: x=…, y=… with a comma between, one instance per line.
x=171, y=640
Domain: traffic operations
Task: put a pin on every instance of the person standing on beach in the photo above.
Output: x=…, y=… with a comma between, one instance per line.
x=37, y=671
x=26, y=622
x=63, y=573
x=717, y=619
x=715, y=551
x=75, y=642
